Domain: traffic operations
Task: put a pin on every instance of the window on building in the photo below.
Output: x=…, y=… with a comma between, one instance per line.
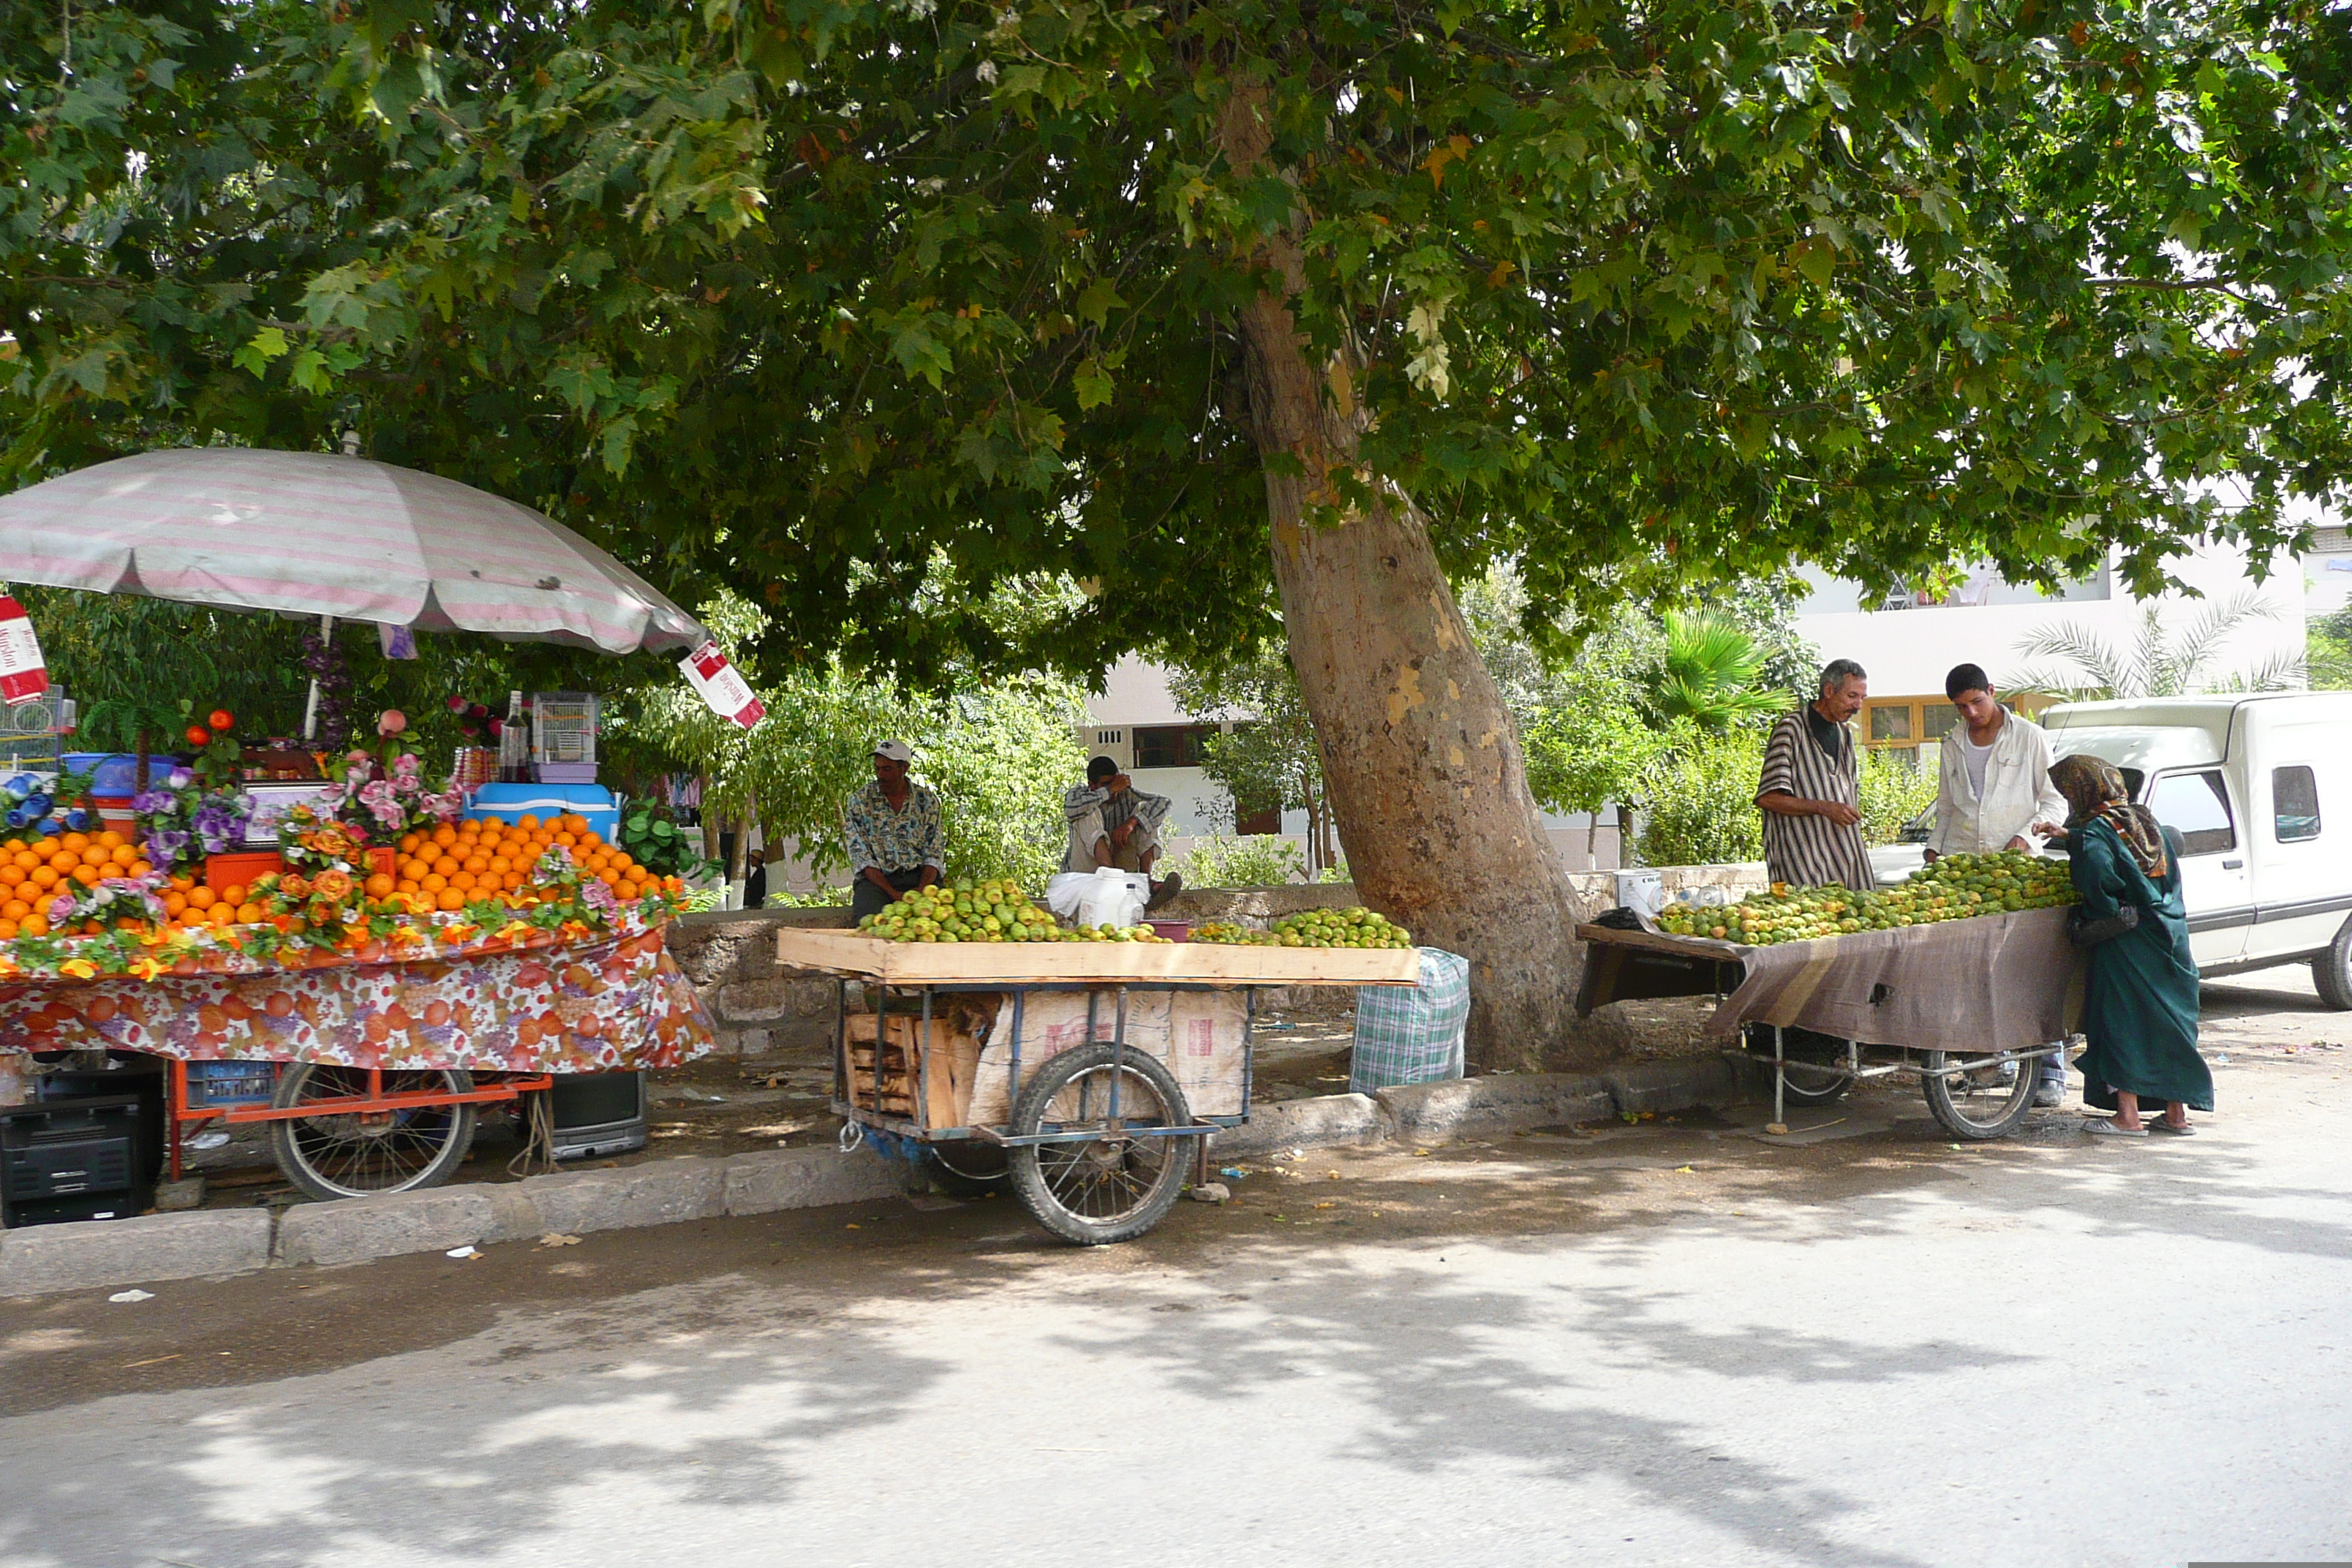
x=2295, y=805
x=1911, y=726
x=1170, y=745
x=2199, y=806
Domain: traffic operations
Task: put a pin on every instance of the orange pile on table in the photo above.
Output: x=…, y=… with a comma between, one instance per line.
x=457, y=863
x=31, y=870
x=443, y=870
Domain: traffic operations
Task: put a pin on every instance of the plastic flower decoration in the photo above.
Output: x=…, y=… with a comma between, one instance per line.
x=180, y=821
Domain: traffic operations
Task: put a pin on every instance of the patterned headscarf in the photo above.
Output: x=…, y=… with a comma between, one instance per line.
x=2095, y=788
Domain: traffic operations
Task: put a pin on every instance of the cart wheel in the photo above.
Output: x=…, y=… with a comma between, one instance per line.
x=1111, y=1187
x=1982, y=1105
x=352, y=1154
x=966, y=1168
x=1809, y=1083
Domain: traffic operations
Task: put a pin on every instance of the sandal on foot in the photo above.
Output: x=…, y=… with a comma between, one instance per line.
x=2105, y=1127
x=2184, y=1129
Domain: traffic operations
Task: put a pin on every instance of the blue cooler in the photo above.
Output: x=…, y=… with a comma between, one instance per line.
x=508, y=802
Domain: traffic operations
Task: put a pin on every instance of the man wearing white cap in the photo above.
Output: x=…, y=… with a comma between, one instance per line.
x=898, y=841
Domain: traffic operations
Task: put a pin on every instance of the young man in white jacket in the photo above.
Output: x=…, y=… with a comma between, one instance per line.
x=1992, y=787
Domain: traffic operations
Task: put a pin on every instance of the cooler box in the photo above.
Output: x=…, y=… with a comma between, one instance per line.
x=508, y=801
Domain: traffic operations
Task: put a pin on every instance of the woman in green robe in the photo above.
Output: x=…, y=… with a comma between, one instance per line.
x=2139, y=994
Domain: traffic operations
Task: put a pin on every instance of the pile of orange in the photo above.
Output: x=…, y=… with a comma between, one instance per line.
x=31, y=870
x=456, y=863
x=442, y=870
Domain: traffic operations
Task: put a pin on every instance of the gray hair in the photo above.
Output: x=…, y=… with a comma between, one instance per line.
x=1838, y=671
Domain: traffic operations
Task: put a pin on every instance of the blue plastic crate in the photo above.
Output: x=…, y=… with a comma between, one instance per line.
x=215, y=1086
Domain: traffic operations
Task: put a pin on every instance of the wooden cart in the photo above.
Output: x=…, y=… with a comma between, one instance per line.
x=1086, y=1076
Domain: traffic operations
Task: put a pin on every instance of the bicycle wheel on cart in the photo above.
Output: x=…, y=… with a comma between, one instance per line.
x=356, y=1154
x=966, y=1168
x=1983, y=1103
x=1115, y=1184
x=1814, y=1074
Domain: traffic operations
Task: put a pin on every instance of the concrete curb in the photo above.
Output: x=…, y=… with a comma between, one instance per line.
x=39, y=1260
x=1427, y=1114
x=92, y=1253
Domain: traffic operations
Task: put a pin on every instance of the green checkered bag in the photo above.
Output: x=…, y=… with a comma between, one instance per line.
x=1412, y=1036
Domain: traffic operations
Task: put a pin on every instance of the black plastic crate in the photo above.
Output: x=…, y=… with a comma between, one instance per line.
x=71, y=1158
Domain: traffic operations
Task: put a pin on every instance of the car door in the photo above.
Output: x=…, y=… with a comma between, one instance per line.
x=2213, y=882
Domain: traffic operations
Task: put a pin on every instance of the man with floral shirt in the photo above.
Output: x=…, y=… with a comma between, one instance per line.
x=898, y=841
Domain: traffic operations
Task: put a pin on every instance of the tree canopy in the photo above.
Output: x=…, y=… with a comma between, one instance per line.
x=818, y=300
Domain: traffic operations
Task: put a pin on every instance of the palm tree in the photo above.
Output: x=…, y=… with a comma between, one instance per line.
x=1711, y=671
x=2156, y=665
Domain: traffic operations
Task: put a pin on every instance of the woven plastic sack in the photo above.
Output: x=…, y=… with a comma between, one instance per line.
x=1412, y=1036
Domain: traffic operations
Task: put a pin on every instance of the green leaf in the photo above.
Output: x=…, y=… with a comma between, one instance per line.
x=1097, y=299
x=264, y=346
x=307, y=371
x=1093, y=383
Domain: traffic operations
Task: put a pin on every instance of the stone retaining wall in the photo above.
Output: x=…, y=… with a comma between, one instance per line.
x=760, y=1007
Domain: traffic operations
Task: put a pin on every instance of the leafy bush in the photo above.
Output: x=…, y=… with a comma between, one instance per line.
x=1698, y=805
x=1259, y=860
x=1336, y=872
x=1893, y=791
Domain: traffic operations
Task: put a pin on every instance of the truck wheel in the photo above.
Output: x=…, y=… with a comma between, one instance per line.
x=2331, y=971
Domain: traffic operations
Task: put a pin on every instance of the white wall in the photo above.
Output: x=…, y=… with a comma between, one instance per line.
x=1909, y=651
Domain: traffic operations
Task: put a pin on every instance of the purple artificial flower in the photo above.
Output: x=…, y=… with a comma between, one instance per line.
x=181, y=779
x=148, y=802
x=598, y=896
x=166, y=845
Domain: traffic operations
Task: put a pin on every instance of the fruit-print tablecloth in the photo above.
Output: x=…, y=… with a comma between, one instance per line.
x=590, y=1006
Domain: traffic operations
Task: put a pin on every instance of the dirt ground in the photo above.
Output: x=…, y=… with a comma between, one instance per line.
x=1602, y=1178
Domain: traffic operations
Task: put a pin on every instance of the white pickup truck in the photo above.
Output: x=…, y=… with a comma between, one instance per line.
x=2260, y=787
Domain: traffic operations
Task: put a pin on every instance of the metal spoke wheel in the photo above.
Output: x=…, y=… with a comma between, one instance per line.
x=352, y=1155
x=1114, y=1185
x=1812, y=1080
x=1983, y=1103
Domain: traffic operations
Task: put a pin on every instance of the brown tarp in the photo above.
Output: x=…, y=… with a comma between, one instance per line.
x=2007, y=981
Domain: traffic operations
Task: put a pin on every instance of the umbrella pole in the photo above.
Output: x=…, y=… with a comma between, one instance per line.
x=310, y=708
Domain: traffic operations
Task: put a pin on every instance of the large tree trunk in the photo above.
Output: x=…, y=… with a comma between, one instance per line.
x=1421, y=758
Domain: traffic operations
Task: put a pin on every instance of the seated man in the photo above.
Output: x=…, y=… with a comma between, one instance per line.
x=1112, y=823
x=896, y=837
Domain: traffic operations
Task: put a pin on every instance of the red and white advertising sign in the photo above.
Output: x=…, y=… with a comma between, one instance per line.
x=24, y=676
x=722, y=686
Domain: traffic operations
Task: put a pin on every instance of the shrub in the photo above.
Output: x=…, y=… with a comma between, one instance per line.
x=1259, y=860
x=1698, y=807
x=1894, y=791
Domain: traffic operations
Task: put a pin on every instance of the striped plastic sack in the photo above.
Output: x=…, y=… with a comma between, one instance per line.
x=1412, y=1036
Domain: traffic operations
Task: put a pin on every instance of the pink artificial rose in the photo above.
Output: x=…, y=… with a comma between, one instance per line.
x=458, y=705
x=378, y=798
x=393, y=722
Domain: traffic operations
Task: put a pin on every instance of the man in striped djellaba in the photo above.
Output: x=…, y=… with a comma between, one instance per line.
x=1811, y=790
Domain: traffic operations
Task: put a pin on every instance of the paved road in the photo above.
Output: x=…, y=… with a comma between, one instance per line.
x=1655, y=1344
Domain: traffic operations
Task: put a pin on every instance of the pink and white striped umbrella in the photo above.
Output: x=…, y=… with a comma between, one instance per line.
x=312, y=534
